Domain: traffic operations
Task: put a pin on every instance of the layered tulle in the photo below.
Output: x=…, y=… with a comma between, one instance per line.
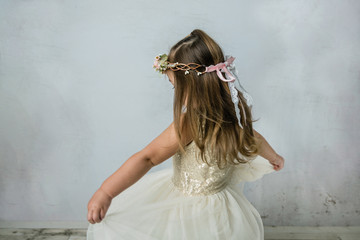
x=153, y=208
x=252, y=170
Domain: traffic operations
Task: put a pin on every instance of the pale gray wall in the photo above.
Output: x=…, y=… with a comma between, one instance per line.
x=78, y=96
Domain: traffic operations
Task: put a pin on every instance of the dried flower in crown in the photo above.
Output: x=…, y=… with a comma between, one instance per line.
x=161, y=63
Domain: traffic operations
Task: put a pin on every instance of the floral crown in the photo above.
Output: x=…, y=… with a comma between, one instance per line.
x=161, y=64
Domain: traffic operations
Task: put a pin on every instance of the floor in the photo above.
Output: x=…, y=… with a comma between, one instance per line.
x=271, y=233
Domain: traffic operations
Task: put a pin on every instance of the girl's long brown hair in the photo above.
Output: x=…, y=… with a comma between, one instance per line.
x=210, y=115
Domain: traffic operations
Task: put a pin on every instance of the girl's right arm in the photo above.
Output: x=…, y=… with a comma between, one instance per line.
x=267, y=152
x=160, y=149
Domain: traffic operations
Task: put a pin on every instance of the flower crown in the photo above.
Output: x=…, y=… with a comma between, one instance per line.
x=161, y=64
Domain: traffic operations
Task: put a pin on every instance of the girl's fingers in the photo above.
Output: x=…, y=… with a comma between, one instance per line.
x=89, y=217
x=102, y=214
x=97, y=217
x=276, y=167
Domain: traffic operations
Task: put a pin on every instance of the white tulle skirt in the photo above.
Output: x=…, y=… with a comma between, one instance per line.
x=153, y=208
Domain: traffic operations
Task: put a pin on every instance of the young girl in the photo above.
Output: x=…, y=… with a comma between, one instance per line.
x=214, y=151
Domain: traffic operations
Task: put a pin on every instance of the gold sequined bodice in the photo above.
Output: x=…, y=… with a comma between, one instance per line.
x=192, y=176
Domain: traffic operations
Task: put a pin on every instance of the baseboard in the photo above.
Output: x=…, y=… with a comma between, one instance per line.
x=48, y=224
x=268, y=229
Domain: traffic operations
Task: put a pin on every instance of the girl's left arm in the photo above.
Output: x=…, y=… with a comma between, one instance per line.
x=267, y=152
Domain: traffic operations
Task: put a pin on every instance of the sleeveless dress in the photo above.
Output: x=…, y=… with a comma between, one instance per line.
x=190, y=201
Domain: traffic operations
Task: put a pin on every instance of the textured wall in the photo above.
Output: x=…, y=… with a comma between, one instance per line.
x=79, y=96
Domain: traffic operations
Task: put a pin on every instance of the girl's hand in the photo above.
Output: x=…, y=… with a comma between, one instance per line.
x=278, y=162
x=98, y=206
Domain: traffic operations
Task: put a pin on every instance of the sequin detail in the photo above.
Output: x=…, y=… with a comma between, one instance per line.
x=194, y=177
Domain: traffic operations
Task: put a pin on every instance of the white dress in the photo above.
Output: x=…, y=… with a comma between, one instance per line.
x=189, y=201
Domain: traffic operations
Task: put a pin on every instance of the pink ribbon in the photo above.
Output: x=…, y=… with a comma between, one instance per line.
x=222, y=67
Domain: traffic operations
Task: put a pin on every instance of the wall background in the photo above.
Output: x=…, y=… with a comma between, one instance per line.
x=79, y=96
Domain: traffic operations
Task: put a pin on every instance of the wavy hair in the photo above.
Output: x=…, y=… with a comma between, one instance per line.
x=210, y=115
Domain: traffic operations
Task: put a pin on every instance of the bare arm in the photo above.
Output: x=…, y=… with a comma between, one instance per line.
x=130, y=172
x=159, y=150
x=265, y=150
